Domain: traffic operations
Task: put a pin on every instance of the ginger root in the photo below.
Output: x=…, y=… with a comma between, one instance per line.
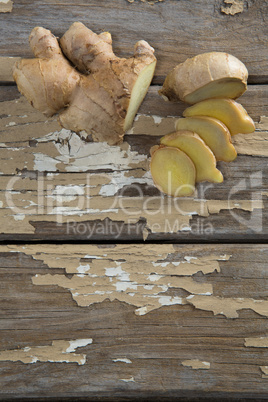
x=81, y=78
x=201, y=155
x=172, y=171
x=210, y=82
x=229, y=112
x=207, y=75
x=213, y=132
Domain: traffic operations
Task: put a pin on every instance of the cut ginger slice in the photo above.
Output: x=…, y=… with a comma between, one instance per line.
x=215, y=134
x=201, y=155
x=173, y=172
x=231, y=113
x=207, y=75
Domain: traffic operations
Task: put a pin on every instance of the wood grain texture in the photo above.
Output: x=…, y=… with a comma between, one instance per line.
x=57, y=185
x=138, y=356
x=176, y=29
x=152, y=320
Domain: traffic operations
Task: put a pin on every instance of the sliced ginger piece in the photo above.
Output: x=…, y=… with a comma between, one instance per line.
x=201, y=155
x=231, y=113
x=173, y=172
x=207, y=75
x=213, y=132
x=154, y=148
x=100, y=95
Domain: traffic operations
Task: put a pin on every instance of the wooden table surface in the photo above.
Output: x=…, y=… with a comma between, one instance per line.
x=110, y=290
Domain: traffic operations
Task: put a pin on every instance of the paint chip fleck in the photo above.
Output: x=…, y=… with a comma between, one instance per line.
x=6, y=6
x=233, y=7
x=228, y=306
x=131, y=379
x=60, y=351
x=196, y=364
x=261, y=342
x=123, y=360
x=264, y=370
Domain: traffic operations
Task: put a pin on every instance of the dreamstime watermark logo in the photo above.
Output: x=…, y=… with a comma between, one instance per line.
x=131, y=208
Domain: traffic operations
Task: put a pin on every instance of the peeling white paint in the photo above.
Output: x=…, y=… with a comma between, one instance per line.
x=82, y=269
x=141, y=310
x=19, y=217
x=224, y=257
x=66, y=193
x=123, y=286
x=44, y=162
x=95, y=257
x=120, y=280
x=186, y=229
x=71, y=211
x=60, y=351
x=169, y=300
x=79, y=156
x=78, y=343
x=196, y=364
x=160, y=264
x=119, y=180
x=131, y=379
x=82, y=156
x=117, y=271
x=154, y=277
x=148, y=287
x=123, y=360
x=157, y=119
x=189, y=258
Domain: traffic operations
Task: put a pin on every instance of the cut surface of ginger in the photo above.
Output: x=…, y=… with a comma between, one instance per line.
x=207, y=75
x=173, y=172
x=222, y=88
x=229, y=112
x=213, y=132
x=138, y=93
x=201, y=155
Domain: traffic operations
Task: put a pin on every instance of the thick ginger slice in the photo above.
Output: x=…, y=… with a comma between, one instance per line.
x=213, y=132
x=172, y=171
x=201, y=155
x=229, y=112
x=207, y=75
x=85, y=82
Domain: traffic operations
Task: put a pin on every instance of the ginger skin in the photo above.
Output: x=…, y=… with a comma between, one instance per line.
x=205, y=76
x=99, y=92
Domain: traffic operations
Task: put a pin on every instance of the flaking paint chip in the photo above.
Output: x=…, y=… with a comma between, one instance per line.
x=6, y=6
x=196, y=364
x=60, y=351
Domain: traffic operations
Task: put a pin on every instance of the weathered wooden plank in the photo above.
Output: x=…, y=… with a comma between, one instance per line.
x=254, y=100
x=56, y=184
x=6, y=67
x=121, y=318
x=177, y=29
